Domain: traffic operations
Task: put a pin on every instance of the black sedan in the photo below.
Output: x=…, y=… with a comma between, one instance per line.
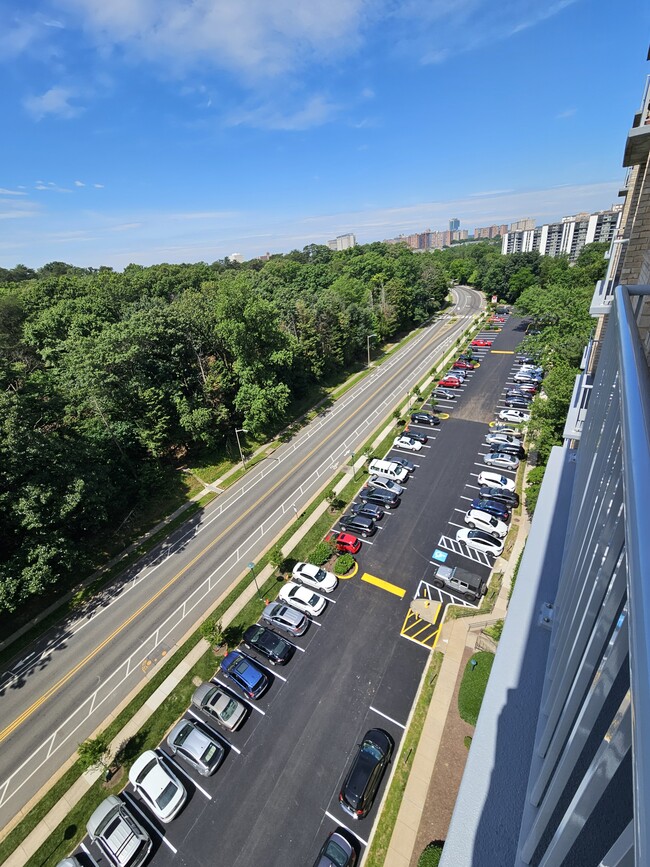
x=362, y=781
x=358, y=524
x=415, y=435
x=268, y=644
x=336, y=851
x=519, y=401
x=368, y=510
x=515, y=449
x=424, y=418
x=380, y=496
x=492, y=507
x=509, y=498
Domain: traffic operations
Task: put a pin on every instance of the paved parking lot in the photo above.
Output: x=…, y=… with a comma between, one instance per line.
x=275, y=798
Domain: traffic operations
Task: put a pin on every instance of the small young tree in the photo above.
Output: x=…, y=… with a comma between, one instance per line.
x=212, y=631
x=93, y=752
x=276, y=556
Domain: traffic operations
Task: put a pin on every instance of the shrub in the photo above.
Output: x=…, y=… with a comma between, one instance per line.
x=431, y=855
x=495, y=630
x=321, y=553
x=93, y=752
x=467, y=740
x=533, y=485
x=343, y=564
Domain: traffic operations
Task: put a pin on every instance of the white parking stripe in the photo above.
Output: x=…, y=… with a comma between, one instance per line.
x=133, y=803
x=467, y=498
x=216, y=734
x=385, y=716
x=454, y=524
x=462, y=511
x=339, y=822
x=247, y=703
x=270, y=671
x=184, y=773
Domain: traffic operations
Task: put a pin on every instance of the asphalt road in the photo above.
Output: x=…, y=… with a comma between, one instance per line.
x=58, y=693
x=275, y=798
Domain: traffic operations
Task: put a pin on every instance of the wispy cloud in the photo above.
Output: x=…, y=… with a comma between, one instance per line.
x=486, y=193
x=317, y=111
x=79, y=184
x=4, y=192
x=56, y=101
x=568, y=112
x=50, y=187
x=98, y=186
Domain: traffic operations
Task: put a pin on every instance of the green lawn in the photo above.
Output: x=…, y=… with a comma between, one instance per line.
x=472, y=687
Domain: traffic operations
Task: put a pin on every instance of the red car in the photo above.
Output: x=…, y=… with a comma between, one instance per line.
x=497, y=319
x=481, y=341
x=345, y=543
x=450, y=382
x=461, y=364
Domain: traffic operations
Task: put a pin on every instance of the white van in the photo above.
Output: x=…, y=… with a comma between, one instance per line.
x=388, y=469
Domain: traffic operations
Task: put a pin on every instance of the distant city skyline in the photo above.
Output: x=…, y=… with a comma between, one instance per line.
x=151, y=132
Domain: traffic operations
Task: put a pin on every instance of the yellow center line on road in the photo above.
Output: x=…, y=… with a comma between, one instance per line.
x=385, y=585
x=4, y=733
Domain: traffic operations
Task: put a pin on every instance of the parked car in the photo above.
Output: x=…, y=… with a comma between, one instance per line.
x=277, y=650
x=496, y=480
x=315, y=577
x=416, y=435
x=494, y=507
x=158, y=787
x=535, y=369
x=442, y=394
x=364, y=776
x=508, y=430
x=200, y=750
x=336, y=851
x=501, y=459
x=424, y=418
x=367, y=510
x=381, y=497
x=517, y=401
x=403, y=462
x=223, y=708
x=528, y=388
x=408, y=443
x=345, y=543
x=450, y=381
x=509, y=498
x=525, y=359
x=386, y=484
x=500, y=437
x=358, y=524
x=288, y=619
x=479, y=519
x=527, y=377
x=459, y=374
x=515, y=449
x=480, y=541
x=463, y=364
x=514, y=416
x=243, y=672
x=481, y=341
x=118, y=834
x=303, y=599
x=518, y=392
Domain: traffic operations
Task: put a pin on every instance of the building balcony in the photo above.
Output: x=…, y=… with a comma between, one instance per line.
x=637, y=145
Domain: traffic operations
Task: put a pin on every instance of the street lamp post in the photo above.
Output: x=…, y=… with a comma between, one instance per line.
x=251, y=566
x=239, y=430
x=368, y=344
x=354, y=469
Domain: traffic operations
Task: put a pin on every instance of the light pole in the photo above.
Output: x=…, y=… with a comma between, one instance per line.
x=239, y=430
x=368, y=344
x=354, y=469
x=251, y=566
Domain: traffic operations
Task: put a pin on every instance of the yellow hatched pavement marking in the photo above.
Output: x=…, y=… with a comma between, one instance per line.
x=421, y=631
x=385, y=585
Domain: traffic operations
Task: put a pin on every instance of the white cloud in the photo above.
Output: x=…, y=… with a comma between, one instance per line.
x=367, y=93
x=50, y=187
x=569, y=112
x=317, y=111
x=55, y=101
x=486, y=193
x=4, y=192
x=79, y=184
x=98, y=186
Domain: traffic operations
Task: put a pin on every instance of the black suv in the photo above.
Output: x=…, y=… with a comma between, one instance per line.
x=500, y=495
x=362, y=781
x=383, y=498
x=268, y=644
x=358, y=524
x=424, y=418
x=493, y=507
x=509, y=449
x=367, y=510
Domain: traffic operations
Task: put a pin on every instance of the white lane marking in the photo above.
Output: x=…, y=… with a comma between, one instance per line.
x=218, y=736
x=460, y=526
x=473, y=487
x=385, y=716
x=462, y=511
x=247, y=703
x=339, y=822
x=183, y=773
x=467, y=498
x=133, y=803
x=301, y=649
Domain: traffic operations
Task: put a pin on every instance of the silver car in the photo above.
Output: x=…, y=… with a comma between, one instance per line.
x=122, y=840
x=285, y=618
x=386, y=484
x=202, y=752
x=220, y=705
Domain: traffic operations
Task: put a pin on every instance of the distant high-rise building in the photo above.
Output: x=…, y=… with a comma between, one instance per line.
x=489, y=231
x=342, y=242
x=522, y=225
x=236, y=257
x=568, y=236
x=454, y=224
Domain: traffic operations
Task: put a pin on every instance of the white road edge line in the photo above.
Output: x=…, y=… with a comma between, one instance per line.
x=339, y=822
x=385, y=716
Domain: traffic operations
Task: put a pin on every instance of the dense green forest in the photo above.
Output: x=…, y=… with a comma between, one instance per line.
x=107, y=378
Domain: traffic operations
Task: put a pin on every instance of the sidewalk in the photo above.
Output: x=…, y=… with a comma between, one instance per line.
x=456, y=638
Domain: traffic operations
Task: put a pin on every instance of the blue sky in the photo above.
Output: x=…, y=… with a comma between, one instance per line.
x=168, y=130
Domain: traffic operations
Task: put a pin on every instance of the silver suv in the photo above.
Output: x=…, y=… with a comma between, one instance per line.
x=286, y=618
x=122, y=840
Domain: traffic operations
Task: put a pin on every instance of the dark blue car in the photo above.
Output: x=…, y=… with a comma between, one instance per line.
x=492, y=507
x=247, y=676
